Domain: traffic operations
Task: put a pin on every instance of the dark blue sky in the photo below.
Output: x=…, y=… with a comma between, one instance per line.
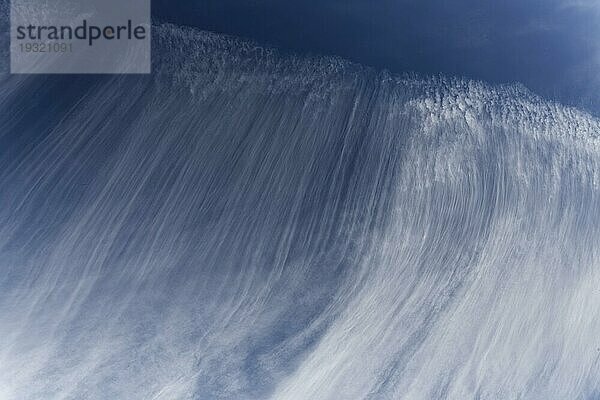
x=551, y=46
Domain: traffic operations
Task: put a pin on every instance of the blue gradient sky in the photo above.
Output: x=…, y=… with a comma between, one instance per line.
x=551, y=46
